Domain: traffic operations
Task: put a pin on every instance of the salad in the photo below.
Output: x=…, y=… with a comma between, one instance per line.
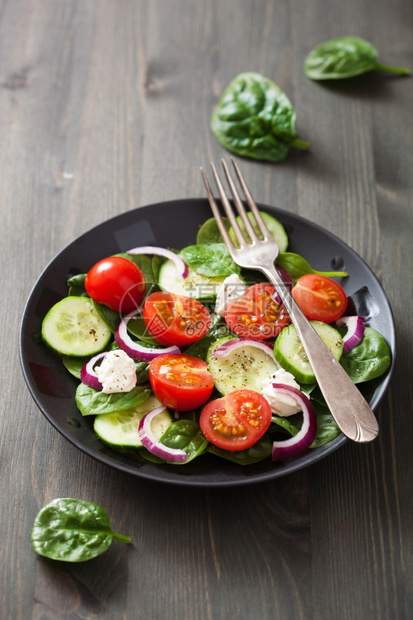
x=182, y=353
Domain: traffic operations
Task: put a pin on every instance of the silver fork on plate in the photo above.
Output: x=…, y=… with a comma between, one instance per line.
x=350, y=410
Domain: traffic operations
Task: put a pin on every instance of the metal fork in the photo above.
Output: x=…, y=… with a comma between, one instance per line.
x=350, y=410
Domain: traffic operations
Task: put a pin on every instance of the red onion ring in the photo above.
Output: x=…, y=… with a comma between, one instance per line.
x=294, y=446
x=181, y=266
x=227, y=347
x=88, y=375
x=355, y=331
x=153, y=444
x=134, y=349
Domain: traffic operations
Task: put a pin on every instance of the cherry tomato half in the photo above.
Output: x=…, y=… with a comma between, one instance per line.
x=320, y=298
x=175, y=319
x=257, y=314
x=116, y=282
x=236, y=421
x=180, y=382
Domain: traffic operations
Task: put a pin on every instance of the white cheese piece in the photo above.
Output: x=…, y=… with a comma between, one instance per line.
x=231, y=288
x=281, y=404
x=117, y=372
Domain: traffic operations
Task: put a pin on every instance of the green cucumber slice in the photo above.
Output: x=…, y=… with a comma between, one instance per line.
x=73, y=327
x=194, y=285
x=274, y=226
x=290, y=353
x=119, y=430
x=245, y=368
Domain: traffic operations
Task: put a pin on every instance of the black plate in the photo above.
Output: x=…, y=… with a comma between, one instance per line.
x=175, y=224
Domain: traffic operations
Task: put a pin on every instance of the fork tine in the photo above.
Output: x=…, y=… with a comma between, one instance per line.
x=217, y=215
x=228, y=209
x=240, y=207
x=251, y=203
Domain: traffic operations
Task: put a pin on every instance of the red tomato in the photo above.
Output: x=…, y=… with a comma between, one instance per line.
x=116, y=282
x=180, y=382
x=174, y=319
x=257, y=315
x=236, y=421
x=320, y=298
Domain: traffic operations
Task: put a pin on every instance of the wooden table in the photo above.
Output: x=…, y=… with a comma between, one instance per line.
x=105, y=107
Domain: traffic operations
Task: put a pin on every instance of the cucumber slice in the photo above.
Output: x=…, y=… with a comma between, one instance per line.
x=119, y=430
x=290, y=353
x=274, y=226
x=194, y=285
x=73, y=327
x=243, y=369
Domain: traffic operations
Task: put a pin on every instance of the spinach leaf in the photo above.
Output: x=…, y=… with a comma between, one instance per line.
x=76, y=285
x=297, y=266
x=327, y=428
x=344, y=57
x=211, y=260
x=94, y=402
x=209, y=231
x=74, y=364
x=369, y=359
x=258, y=452
x=254, y=118
x=111, y=317
x=72, y=530
x=185, y=435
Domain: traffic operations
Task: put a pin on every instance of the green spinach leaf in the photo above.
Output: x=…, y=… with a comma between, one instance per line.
x=209, y=231
x=185, y=435
x=297, y=266
x=258, y=452
x=254, y=118
x=76, y=285
x=93, y=402
x=369, y=359
x=344, y=57
x=211, y=260
x=72, y=530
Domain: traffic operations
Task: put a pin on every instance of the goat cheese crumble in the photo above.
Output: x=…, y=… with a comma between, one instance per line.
x=232, y=288
x=281, y=404
x=117, y=372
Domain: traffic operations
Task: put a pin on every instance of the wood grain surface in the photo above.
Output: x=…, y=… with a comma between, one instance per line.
x=104, y=107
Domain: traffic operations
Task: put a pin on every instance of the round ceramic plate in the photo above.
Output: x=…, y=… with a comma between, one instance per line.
x=175, y=224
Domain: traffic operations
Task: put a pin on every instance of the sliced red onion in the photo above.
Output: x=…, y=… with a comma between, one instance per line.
x=288, y=281
x=181, y=266
x=88, y=374
x=153, y=444
x=227, y=347
x=294, y=446
x=135, y=350
x=355, y=331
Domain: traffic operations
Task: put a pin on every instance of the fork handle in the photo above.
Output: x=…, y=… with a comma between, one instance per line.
x=352, y=413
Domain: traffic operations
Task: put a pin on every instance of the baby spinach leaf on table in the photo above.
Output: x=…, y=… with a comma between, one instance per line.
x=94, y=402
x=369, y=359
x=211, y=260
x=185, y=435
x=297, y=266
x=344, y=57
x=72, y=530
x=258, y=452
x=254, y=118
